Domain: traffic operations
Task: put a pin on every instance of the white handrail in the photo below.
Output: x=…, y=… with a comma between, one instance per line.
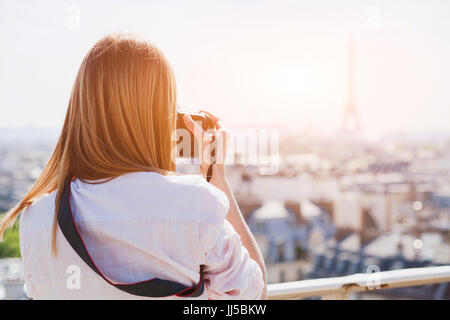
x=341, y=286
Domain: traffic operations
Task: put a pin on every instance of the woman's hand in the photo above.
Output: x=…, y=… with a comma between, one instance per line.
x=207, y=145
x=219, y=180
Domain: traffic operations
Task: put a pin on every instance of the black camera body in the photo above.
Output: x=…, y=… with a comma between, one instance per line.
x=206, y=123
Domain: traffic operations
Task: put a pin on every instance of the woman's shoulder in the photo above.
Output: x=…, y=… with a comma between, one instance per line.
x=186, y=183
x=40, y=211
x=212, y=203
x=178, y=192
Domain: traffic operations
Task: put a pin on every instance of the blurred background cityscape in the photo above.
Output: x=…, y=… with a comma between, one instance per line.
x=357, y=91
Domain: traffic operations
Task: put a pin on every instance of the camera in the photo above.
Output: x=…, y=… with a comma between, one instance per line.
x=191, y=151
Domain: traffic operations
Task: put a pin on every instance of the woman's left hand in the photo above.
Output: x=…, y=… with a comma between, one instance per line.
x=207, y=145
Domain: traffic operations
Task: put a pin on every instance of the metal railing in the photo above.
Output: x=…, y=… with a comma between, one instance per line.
x=341, y=287
x=327, y=288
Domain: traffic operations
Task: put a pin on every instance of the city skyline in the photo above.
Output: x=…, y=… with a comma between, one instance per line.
x=273, y=64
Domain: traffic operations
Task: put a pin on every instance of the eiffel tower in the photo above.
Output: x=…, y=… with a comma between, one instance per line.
x=350, y=122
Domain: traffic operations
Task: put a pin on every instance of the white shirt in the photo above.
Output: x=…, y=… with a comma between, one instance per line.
x=136, y=227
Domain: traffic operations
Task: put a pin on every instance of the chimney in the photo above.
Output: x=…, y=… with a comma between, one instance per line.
x=295, y=207
x=248, y=206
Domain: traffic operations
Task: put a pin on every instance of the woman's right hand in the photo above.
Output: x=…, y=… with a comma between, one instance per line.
x=205, y=141
x=219, y=180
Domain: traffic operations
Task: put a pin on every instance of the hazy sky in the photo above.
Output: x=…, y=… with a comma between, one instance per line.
x=278, y=63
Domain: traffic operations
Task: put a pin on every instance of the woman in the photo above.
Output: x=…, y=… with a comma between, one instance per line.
x=137, y=218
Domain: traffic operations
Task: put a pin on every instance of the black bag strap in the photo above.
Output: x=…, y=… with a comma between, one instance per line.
x=154, y=287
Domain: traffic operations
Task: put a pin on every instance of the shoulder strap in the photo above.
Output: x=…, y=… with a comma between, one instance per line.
x=154, y=287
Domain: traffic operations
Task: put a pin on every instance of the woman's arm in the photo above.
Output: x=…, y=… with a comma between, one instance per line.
x=236, y=219
x=220, y=181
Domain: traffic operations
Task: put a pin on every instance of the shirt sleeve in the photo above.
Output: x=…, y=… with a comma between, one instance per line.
x=29, y=288
x=230, y=273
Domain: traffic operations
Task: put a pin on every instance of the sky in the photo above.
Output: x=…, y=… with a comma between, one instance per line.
x=254, y=63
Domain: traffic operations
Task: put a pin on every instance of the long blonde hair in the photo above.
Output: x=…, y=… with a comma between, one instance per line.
x=120, y=119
